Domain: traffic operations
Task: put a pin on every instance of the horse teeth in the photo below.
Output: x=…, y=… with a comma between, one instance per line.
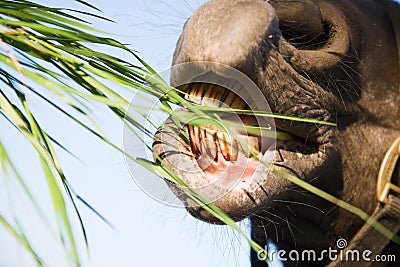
x=211, y=95
x=233, y=101
x=208, y=143
x=229, y=98
x=238, y=104
x=249, y=144
x=228, y=146
x=210, y=102
x=194, y=139
x=224, y=140
x=253, y=142
x=195, y=94
x=234, y=151
x=218, y=93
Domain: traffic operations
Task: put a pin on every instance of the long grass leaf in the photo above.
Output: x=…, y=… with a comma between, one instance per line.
x=21, y=239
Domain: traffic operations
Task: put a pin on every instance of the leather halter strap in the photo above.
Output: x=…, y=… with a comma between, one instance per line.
x=385, y=186
x=386, y=213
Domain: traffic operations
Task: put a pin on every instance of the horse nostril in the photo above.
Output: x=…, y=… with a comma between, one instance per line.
x=319, y=42
x=301, y=23
x=302, y=38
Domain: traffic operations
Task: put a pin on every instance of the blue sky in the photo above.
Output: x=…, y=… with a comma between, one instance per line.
x=147, y=233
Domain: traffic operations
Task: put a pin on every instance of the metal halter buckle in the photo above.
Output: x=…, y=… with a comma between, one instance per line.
x=384, y=185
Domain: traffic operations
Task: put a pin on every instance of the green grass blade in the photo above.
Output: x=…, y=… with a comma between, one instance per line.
x=21, y=238
x=338, y=202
